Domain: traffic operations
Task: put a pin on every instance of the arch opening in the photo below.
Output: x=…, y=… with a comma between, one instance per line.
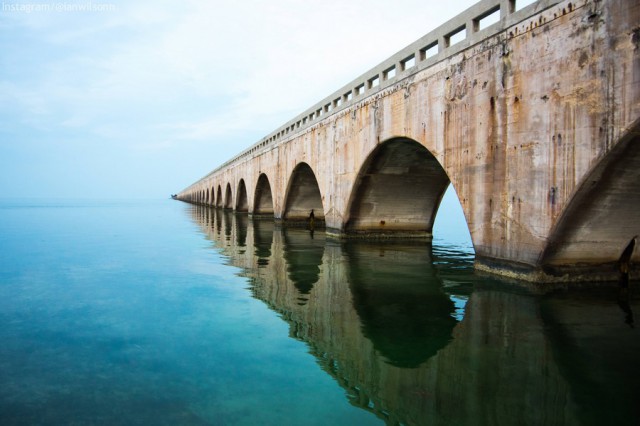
x=263, y=200
x=242, y=204
x=397, y=192
x=602, y=216
x=207, y=197
x=219, y=197
x=303, y=196
x=213, y=196
x=228, y=199
x=450, y=226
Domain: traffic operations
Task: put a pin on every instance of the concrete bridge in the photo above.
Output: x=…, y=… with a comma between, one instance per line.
x=533, y=119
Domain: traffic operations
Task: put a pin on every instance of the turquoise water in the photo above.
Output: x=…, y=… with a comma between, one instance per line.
x=159, y=312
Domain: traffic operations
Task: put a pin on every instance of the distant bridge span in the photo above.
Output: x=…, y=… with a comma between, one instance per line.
x=534, y=120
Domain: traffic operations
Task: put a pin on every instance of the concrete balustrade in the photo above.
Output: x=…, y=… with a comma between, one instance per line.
x=375, y=80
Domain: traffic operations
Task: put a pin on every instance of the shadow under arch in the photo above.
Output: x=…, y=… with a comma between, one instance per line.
x=263, y=199
x=400, y=299
x=397, y=192
x=228, y=198
x=242, y=203
x=602, y=215
x=303, y=252
x=303, y=196
x=219, y=197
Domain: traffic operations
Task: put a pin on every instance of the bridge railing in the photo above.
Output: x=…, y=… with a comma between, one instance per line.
x=479, y=22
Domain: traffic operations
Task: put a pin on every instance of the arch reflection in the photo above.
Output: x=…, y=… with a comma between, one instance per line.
x=400, y=300
x=227, y=223
x=303, y=251
x=262, y=240
x=241, y=224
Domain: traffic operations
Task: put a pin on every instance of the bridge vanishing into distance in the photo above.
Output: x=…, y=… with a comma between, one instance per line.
x=531, y=113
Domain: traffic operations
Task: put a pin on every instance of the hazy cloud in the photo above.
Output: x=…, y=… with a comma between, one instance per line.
x=188, y=77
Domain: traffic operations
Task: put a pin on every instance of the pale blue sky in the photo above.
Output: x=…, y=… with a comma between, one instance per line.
x=142, y=98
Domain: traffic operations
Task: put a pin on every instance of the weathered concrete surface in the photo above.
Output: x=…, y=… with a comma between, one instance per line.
x=536, y=127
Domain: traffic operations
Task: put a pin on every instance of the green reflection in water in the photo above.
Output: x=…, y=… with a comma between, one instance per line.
x=227, y=220
x=303, y=251
x=262, y=240
x=241, y=230
x=413, y=336
x=585, y=332
x=400, y=300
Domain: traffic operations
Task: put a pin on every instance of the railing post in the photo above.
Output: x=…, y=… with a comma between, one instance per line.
x=443, y=43
x=507, y=7
x=472, y=27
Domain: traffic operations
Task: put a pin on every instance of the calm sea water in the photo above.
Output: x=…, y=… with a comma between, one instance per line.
x=160, y=312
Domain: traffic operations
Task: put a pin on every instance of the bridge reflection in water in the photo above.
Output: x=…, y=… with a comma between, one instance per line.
x=414, y=337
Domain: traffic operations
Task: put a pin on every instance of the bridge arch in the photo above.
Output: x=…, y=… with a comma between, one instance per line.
x=397, y=192
x=219, y=197
x=213, y=195
x=303, y=195
x=602, y=215
x=228, y=197
x=242, y=204
x=263, y=199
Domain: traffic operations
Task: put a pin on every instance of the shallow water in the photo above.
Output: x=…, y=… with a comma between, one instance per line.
x=165, y=313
